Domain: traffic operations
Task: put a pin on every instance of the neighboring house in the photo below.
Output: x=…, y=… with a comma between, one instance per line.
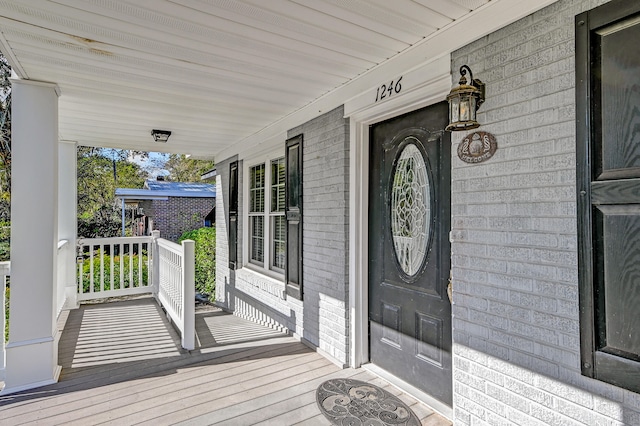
x=169, y=207
x=345, y=214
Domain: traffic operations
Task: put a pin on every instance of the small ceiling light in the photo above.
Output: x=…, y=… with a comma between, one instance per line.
x=464, y=100
x=160, y=135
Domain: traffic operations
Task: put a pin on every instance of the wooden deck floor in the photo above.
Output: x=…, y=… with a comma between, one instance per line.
x=122, y=364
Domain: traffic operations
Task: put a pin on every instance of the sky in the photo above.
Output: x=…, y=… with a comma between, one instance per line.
x=154, y=164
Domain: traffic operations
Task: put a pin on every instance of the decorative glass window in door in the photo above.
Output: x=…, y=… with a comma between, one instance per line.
x=410, y=209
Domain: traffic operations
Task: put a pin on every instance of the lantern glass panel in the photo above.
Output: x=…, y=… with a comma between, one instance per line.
x=455, y=109
x=472, y=108
x=465, y=109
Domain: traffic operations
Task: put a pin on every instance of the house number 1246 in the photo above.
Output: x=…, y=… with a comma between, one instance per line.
x=388, y=90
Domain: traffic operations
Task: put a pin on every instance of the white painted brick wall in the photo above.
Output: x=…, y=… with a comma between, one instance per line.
x=326, y=231
x=223, y=274
x=322, y=317
x=514, y=258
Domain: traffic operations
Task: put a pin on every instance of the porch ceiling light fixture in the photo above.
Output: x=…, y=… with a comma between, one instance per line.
x=160, y=135
x=464, y=100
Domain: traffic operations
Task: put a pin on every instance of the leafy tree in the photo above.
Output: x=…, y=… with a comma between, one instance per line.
x=183, y=169
x=5, y=139
x=100, y=172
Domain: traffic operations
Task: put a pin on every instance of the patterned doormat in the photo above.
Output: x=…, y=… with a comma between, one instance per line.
x=352, y=402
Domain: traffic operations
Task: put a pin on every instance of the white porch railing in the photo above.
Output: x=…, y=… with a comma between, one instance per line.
x=176, y=289
x=122, y=266
x=5, y=271
x=111, y=267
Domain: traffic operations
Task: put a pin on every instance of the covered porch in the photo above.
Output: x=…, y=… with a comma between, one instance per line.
x=239, y=373
x=230, y=82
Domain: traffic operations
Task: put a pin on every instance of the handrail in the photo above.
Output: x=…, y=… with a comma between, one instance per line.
x=110, y=240
x=5, y=271
x=171, y=246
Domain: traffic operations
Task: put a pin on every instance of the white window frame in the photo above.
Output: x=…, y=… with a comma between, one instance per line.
x=265, y=267
x=272, y=215
x=261, y=214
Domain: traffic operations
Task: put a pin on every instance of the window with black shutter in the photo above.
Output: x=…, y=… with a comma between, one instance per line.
x=608, y=191
x=293, y=217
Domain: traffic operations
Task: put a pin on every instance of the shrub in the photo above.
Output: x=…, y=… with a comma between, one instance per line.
x=5, y=251
x=205, y=252
x=5, y=240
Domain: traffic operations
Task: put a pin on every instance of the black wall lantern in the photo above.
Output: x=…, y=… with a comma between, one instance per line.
x=464, y=100
x=160, y=135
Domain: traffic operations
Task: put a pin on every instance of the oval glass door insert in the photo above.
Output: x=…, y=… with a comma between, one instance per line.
x=410, y=209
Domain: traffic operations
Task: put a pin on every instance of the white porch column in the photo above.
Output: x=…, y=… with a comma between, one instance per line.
x=32, y=351
x=68, y=220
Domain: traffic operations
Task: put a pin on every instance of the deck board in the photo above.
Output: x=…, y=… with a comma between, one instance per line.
x=270, y=405
x=123, y=364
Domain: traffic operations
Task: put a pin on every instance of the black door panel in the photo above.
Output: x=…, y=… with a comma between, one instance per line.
x=409, y=251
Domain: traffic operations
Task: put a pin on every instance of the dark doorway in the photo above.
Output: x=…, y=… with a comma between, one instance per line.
x=409, y=250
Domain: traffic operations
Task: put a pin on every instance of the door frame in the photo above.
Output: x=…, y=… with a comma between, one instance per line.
x=427, y=84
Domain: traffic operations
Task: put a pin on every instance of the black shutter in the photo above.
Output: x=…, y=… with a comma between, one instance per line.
x=293, y=214
x=608, y=184
x=233, y=215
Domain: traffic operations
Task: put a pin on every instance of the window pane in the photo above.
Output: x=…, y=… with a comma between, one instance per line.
x=279, y=242
x=256, y=205
x=277, y=185
x=256, y=190
x=257, y=238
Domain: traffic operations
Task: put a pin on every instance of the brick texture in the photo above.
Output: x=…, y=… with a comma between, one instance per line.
x=322, y=317
x=325, y=232
x=177, y=215
x=225, y=278
x=514, y=255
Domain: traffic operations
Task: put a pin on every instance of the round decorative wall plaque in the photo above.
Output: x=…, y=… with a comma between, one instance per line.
x=477, y=147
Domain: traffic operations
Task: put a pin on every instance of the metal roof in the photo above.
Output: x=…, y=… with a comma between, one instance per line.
x=162, y=190
x=186, y=187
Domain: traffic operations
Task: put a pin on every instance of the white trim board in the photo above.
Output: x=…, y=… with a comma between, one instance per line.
x=427, y=399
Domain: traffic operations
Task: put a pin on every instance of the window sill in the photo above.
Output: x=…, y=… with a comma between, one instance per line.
x=272, y=284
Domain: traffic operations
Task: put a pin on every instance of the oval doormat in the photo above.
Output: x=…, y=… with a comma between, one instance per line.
x=352, y=402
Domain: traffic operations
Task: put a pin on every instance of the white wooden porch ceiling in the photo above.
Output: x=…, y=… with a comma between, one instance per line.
x=212, y=71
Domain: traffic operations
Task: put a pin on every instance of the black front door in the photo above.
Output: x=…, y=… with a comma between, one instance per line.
x=409, y=251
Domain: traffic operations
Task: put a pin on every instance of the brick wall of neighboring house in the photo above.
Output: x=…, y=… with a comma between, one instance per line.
x=177, y=215
x=514, y=254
